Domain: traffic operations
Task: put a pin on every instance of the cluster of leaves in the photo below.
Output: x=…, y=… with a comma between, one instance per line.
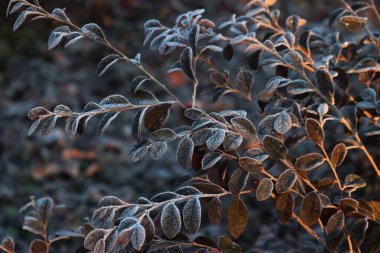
x=230, y=155
x=36, y=222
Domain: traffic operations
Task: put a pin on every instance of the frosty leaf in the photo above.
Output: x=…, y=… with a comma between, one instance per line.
x=106, y=121
x=238, y=181
x=192, y=215
x=245, y=80
x=309, y=161
x=48, y=125
x=170, y=220
x=274, y=147
x=106, y=63
x=294, y=59
x=283, y=123
x=215, y=140
x=244, y=126
x=71, y=38
x=93, y=31
x=227, y=246
x=358, y=232
x=93, y=237
x=286, y=181
x=103, y=217
x=143, y=97
x=185, y=152
x=156, y=116
x=314, y=131
x=139, y=150
x=158, y=149
x=338, y=155
x=137, y=82
x=335, y=225
x=138, y=237
x=325, y=84
x=59, y=13
x=164, y=134
x=264, y=190
x=210, y=160
x=37, y=112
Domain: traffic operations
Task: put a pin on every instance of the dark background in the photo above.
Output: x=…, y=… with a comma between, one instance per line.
x=78, y=170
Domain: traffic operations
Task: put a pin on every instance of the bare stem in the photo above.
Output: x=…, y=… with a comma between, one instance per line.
x=375, y=9
x=333, y=169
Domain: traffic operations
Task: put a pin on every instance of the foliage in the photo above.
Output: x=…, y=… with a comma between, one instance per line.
x=284, y=156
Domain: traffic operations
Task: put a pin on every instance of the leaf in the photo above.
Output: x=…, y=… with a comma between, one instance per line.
x=228, y=52
x=250, y=165
x=93, y=31
x=274, y=147
x=325, y=84
x=106, y=121
x=33, y=225
x=188, y=190
x=48, y=125
x=335, y=225
x=200, y=136
x=71, y=38
x=139, y=150
x=170, y=220
x=194, y=113
x=114, y=101
x=17, y=6
x=45, y=208
x=185, y=152
x=137, y=82
x=286, y=181
x=56, y=36
x=215, y=211
x=358, y=231
x=20, y=20
x=210, y=160
x=232, y=142
x=37, y=112
x=298, y=87
x=245, y=80
x=314, y=131
x=215, y=140
x=285, y=207
x=294, y=59
x=264, y=190
x=103, y=217
x=138, y=237
x=311, y=208
x=353, y=23
x=238, y=181
x=164, y=196
x=110, y=201
x=245, y=127
x=59, y=13
x=335, y=15
x=186, y=61
x=158, y=149
x=163, y=134
x=148, y=225
x=93, y=237
x=156, y=116
x=309, y=161
x=283, y=123
x=138, y=118
x=338, y=155
x=106, y=63
x=237, y=217
x=354, y=181
x=143, y=97
x=38, y=246
x=191, y=213
x=227, y=246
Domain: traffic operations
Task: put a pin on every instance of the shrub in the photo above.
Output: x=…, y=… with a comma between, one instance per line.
x=308, y=139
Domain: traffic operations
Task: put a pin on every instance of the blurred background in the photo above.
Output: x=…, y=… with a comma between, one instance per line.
x=78, y=170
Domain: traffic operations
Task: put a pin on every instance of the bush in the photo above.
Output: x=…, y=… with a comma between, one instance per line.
x=306, y=139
